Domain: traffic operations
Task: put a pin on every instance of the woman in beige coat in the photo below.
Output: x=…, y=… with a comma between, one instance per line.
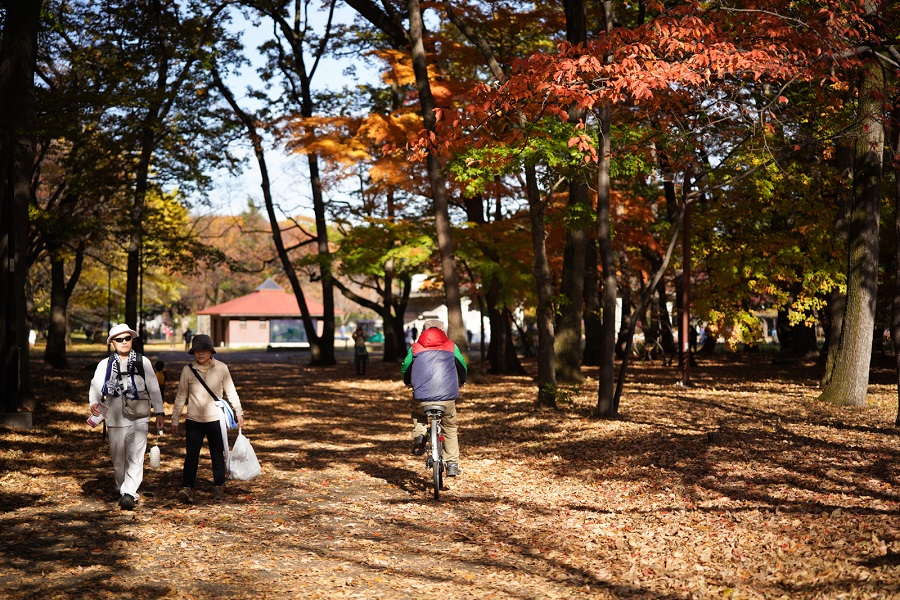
x=202, y=418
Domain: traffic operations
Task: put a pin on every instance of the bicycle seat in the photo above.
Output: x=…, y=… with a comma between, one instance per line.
x=433, y=408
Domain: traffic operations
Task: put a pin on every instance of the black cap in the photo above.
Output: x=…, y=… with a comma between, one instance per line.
x=201, y=342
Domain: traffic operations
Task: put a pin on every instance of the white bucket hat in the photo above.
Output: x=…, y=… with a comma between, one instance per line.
x=118, y=330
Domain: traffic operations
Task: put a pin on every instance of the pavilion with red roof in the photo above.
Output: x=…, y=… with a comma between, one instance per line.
x=269, y=316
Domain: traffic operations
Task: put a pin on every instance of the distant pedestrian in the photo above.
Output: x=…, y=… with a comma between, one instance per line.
x=187, y=337
x=415, y=333
x=159, y=368
x=360, y=354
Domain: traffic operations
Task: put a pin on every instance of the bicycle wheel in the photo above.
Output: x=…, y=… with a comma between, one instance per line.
x=437, y=460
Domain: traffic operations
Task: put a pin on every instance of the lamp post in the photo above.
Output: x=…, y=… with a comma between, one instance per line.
x=108, y=300
x=140, y=322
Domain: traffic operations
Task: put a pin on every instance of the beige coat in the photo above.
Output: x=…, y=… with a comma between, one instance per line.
x=201, y=407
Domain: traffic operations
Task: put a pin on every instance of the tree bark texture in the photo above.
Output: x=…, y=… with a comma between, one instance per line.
x=502, y=349
x=568, y=321
x=326, y=339
x=606, y=385
x=592, y=321
x=606, y=406
x=849, y=381
x=55, y=351
x=60, y=292
x=895, y=304
x=546, y=379
x=836, y=298
x=18, y=121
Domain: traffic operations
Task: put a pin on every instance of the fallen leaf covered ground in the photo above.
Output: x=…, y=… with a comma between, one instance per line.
x=741, y=487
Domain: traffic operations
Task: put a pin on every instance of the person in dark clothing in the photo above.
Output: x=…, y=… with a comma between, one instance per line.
x=435, y=369
x=360, y=353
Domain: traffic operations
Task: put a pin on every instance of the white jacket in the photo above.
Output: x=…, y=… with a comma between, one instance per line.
x=145, y=385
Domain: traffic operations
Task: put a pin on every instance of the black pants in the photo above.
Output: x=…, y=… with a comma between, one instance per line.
x=194, y=433
x=362, y=359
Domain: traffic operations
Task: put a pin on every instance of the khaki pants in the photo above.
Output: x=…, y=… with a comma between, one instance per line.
x=448, y=425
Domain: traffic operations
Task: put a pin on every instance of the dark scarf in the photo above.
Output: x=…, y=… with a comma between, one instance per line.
x=112, y=376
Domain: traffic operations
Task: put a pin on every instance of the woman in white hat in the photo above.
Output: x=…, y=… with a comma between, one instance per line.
x=123, y=374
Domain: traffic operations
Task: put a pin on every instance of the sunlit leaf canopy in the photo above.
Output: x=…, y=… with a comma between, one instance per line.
x=740, y=108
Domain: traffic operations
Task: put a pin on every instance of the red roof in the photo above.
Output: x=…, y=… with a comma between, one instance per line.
x=264, y=302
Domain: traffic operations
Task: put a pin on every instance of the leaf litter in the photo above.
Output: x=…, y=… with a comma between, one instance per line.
x=741, y=487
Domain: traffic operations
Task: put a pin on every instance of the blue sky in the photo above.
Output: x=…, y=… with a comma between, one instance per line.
x=289, y=176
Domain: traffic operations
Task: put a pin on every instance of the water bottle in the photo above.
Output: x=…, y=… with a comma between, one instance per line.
x=154, y=452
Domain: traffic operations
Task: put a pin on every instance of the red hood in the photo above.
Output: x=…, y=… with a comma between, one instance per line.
x=432, y=338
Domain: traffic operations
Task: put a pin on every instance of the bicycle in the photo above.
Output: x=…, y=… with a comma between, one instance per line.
x=657, y=350
x=434, y=449
x=651, y=350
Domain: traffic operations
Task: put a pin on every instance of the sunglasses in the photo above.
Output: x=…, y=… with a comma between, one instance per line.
x=122, y=340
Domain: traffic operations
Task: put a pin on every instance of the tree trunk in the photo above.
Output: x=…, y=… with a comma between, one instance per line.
x=18, y=120
x=645, y=300
x=627, y=315
x=606, y=386
x=895, y=305
x=55, y=352
x=150, y=124
x=546, y=379
x=796, y=340
x=837, y=299
x=456, y=329
x=667, y=336
x=394, y=336
x=323, y=349
x=592, y=319
x=568, y=321
x=136, y=236
x=849, y=381
x=606, y=406
x=502, y=349
x=391, y=314
x=326, y=339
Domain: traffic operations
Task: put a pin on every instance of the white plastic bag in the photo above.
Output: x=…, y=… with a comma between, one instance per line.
x=244, y=465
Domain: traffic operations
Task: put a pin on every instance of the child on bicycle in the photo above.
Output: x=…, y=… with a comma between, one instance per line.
x=435, y=368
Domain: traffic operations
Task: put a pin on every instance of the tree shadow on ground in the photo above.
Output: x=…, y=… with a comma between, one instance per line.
x=542, y=492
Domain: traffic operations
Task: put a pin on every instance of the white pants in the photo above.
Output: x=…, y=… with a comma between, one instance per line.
x=127, y=446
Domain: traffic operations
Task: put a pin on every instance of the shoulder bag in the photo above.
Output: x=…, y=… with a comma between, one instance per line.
x=227, y=411
x=138, y=407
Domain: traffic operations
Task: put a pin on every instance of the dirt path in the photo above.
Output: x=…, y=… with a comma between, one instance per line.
x=793, y=499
